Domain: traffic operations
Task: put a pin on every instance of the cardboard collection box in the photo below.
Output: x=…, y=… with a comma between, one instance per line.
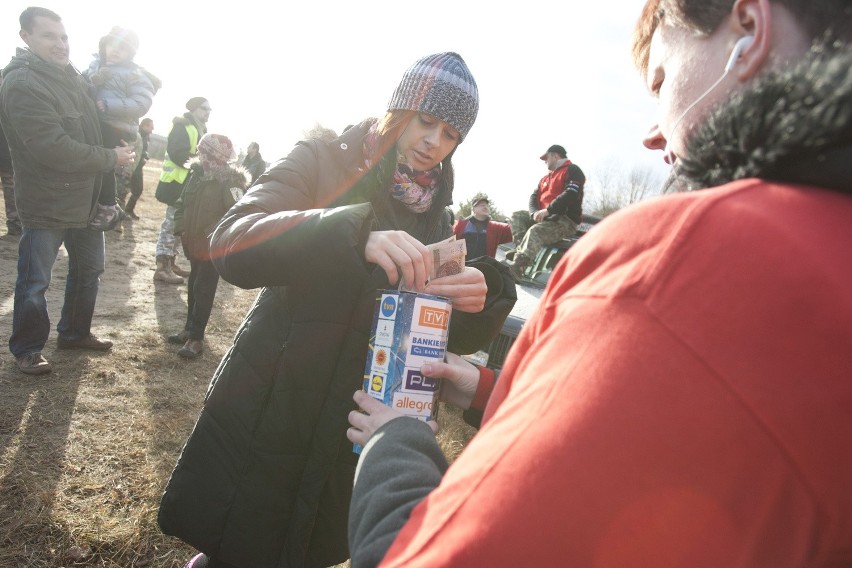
x=408, y=330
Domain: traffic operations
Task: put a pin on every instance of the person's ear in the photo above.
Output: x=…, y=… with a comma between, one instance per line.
x=752, y=18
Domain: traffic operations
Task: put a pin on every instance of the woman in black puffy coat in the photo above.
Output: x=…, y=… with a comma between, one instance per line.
x=266, y=476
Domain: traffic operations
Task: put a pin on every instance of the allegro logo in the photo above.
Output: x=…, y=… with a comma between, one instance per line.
x=434, y=317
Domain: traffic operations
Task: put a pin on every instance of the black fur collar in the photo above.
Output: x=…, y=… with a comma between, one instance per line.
x=794, y=126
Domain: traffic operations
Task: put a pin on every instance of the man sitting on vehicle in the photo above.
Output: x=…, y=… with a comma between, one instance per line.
x=556, y=208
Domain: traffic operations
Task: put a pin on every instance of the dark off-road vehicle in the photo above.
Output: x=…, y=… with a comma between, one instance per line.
x=530, y=290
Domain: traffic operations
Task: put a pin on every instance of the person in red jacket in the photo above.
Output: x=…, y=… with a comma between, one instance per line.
x=701, y=416
x=481, y=234
x=555, y=209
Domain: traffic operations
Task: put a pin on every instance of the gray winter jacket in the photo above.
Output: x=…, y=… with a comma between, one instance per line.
x=127, y=91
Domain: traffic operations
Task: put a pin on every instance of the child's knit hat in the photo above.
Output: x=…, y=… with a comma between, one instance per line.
x=440, y=85
x=215, y=151
x=122, y=35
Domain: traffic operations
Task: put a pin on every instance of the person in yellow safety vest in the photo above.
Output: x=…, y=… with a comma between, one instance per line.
x=181, y=146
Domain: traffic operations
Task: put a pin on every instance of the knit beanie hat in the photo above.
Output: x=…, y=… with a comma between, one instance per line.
x=125, y=36
x=194, y=103
x=440, y=85
x=215, y=150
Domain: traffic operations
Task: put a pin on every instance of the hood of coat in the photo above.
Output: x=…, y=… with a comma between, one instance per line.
x=187, y=119
x=24, y=58
x=794, y=126
x=230, y=176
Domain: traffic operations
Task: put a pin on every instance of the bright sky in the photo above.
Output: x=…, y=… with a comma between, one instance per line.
x=548, y=73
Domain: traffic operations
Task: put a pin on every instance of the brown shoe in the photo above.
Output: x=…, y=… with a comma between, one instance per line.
x=164, y=272
x=192, y=348
x=33, y=364
x=178, y=338
x=91, y=343
x=177, y=269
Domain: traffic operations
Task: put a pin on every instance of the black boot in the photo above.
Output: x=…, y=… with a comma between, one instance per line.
x=131, y=204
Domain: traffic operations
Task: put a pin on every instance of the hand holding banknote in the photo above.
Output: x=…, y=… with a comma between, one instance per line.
x=464, y=286
x=441, y=259
x=403, y=258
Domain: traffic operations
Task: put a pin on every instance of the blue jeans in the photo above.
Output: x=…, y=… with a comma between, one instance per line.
x=37, y=252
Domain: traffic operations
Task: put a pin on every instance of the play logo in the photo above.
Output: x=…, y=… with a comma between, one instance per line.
x=415, y=381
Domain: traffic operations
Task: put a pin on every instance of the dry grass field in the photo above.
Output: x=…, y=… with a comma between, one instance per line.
x=86, y=451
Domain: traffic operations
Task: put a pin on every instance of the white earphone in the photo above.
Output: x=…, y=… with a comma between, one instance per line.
x=741, y=45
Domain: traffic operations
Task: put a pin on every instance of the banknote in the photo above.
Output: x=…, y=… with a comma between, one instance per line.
x=447, y=257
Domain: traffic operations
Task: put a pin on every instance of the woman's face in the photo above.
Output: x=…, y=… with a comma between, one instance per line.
x=426, y=141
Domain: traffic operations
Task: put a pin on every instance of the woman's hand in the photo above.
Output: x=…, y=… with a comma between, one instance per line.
x=374, y=416
x=460, y=379
x=466, y=289
x=398, y=252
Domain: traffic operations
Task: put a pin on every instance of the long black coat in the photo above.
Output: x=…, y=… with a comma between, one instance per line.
x=266, y=476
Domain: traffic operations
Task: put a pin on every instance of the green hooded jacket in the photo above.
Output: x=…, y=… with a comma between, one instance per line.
x=52, y=127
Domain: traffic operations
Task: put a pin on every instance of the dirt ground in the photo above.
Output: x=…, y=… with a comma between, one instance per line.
x=86, y=450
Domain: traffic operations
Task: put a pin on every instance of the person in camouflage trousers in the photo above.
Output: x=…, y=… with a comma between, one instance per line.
x=555, y=210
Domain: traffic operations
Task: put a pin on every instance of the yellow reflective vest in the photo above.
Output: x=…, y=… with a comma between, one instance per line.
x=172, y=171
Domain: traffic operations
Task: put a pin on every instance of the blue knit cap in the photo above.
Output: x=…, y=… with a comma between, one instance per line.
x=442, y=86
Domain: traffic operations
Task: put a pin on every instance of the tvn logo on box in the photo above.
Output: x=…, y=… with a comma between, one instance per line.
x=415, y=381
x=387, y=308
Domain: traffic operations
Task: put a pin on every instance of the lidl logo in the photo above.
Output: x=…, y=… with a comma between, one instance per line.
x=388, y=306
x=377, y=383
x=434, y=317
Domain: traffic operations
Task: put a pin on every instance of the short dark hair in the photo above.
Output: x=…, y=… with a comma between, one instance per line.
x=146, y=121
x=824, y=20
x=28, y=16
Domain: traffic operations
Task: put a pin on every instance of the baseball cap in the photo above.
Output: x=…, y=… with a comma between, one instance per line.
x=555, y=148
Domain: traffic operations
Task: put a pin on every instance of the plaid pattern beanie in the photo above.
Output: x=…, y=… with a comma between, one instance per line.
x=215, y=151
x=440, y=85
